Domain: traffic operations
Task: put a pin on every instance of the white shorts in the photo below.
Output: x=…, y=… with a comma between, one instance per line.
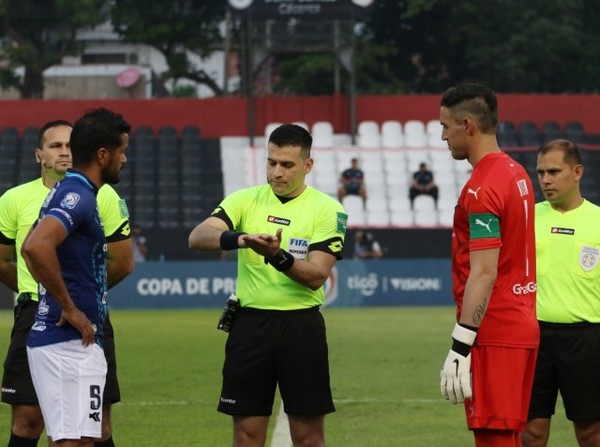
x=69, y=381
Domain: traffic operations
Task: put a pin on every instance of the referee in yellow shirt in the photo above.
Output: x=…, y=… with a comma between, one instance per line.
x=567, y=231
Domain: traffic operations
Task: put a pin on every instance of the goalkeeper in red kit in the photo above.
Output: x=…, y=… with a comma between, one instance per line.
x=491, y=363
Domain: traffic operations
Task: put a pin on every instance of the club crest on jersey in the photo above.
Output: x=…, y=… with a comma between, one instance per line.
x=279, y=220
x=70, y=200
x=588, y=257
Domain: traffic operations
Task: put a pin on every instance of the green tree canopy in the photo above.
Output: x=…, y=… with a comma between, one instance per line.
x=36, y=35
x=175, y=27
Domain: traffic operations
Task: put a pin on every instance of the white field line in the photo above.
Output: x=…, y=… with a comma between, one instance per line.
x=281, y=432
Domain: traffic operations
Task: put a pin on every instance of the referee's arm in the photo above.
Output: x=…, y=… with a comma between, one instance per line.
x=8, y=269
x=207, y=235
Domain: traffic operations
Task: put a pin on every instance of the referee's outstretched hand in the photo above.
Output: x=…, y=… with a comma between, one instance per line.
x=266, y=245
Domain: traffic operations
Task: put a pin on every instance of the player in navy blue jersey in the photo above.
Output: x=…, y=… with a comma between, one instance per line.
x=66, y=254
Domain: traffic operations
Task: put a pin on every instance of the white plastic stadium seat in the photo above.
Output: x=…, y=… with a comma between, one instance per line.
x=434, y=134
x=441, y=160
x=446, y=217
x=379, y=218
x=301, y=124
x=392, y=135
x=270, y=128
x=414, y=134
x=322, y=133
x=424, y=202
x=368, y=135
x=426, y=218
x=402, y=218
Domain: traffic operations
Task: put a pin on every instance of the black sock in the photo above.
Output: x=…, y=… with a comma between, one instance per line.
x=17, y=441
x=108, y=443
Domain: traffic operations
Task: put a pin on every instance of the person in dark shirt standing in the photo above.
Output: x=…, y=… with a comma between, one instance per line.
x=66, y=254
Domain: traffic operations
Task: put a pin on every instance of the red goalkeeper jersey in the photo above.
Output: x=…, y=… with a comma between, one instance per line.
x=496, y=210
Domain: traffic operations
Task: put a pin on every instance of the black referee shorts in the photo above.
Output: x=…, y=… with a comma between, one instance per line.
x=269, y=348
x=569, y=362
x=17, y=386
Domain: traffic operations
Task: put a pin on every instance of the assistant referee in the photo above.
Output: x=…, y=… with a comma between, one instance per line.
x=568, y=279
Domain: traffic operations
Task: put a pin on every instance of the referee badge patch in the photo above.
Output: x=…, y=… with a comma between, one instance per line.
x=588, y=257
x=342, y=222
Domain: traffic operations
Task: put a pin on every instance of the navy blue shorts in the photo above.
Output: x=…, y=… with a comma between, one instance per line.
x=266, y=349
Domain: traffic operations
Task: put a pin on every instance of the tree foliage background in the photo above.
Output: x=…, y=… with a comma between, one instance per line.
x=402, y=46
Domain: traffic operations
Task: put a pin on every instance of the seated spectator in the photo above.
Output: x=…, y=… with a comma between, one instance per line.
x=352, y=182
x=423, y=184
x=366, y=247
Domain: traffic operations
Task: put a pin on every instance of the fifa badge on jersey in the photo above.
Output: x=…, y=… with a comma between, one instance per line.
x=588, y=257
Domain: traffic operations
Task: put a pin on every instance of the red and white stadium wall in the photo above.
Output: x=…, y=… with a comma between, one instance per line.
x=218, y=117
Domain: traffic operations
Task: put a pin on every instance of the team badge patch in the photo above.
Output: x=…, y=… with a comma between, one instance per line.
x=123, y=209
x=588, y=257
x=70, y=200
x=342, y=222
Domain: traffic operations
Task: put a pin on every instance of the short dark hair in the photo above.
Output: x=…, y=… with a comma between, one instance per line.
x=571, y=152
x=292, y=135
x=473, y=99
x=95, y=129
x=50, y=125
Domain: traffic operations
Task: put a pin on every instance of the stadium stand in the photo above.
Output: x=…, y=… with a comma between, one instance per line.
x=392, y=135
x=415, y=134
x=173, y=180
x=368, y=135
x=322, y=133
x=574, y=132
x=550, y=131
x=529, y=134
x=10, y=144
x=29, y=169
x=507, y=134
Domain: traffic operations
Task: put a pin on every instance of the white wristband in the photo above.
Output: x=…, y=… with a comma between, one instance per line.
x=464, y=335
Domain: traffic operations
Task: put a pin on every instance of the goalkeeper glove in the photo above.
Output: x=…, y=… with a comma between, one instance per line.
x=456, y=374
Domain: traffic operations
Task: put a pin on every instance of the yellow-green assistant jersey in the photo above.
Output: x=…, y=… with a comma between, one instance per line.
x=20, y=208
x=568, y=263
x=312, y=221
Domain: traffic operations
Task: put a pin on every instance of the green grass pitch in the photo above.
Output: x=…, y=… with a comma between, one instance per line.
x=385, y=365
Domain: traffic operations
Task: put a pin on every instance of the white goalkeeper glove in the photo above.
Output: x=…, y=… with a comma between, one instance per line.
x=456, y=373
